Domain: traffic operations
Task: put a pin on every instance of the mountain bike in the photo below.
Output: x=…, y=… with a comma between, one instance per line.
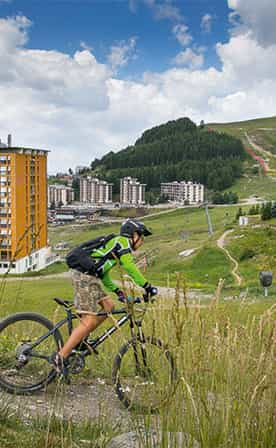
x=144, y=371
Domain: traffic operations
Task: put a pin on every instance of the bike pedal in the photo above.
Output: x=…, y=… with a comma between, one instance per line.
x=65, y=378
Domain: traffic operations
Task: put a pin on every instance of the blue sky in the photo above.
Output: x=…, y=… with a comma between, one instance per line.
x=65, y=24
x=96, y=73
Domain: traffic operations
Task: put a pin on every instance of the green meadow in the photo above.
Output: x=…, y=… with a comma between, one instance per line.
x=181, y=230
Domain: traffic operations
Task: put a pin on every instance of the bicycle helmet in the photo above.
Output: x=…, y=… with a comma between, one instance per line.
x=131, y=225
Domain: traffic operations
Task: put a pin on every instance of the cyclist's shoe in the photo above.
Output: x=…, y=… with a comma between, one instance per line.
x=150, y=290
x=61, y=366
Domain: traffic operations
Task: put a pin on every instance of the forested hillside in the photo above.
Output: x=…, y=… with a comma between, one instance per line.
x=177, y=150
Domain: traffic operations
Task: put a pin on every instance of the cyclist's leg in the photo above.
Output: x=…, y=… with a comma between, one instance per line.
x=88, y=294
x=107, y=304
x=88, y=323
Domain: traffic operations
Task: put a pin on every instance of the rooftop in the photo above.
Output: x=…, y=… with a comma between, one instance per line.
x=21, y=149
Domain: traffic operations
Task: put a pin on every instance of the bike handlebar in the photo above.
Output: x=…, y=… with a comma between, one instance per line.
x=146, y=298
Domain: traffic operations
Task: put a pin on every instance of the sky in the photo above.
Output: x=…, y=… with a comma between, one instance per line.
x=84, y=77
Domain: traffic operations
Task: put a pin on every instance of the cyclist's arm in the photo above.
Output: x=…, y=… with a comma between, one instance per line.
x=108, y=283
x=129, y=266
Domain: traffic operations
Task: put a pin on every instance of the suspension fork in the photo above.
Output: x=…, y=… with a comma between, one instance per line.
x=141, y=345
x=131, y=324
x=142, y=340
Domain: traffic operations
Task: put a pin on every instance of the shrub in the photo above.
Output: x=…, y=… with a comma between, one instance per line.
x=247, y=253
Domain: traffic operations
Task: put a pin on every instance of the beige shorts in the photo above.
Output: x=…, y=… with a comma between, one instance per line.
x=88, y=292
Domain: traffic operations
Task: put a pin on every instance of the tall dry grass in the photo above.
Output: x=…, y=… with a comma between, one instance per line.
x=226, y=358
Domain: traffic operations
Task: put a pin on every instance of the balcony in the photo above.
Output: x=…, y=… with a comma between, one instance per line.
x=5, y=212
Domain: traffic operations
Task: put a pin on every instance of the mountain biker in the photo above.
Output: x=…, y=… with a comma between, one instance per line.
x=89, y=289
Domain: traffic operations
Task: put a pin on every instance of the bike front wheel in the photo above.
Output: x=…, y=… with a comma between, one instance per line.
x=25, y=348
x=144, y=374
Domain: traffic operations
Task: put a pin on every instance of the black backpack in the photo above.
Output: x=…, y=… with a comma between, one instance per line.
x=80, y=258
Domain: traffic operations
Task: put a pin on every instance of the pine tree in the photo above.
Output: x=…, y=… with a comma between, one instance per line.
x=239, y=213
x=266, y=211
x=273, y=210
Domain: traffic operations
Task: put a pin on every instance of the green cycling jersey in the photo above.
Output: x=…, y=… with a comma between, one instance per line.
x=120, y=251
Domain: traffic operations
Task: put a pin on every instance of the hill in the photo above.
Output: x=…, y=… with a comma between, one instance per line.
x=177, y=150
x=259, y=139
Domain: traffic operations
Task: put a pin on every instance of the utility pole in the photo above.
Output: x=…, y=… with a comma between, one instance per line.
x=210, y=227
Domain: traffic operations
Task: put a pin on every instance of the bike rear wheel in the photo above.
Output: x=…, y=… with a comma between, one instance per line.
x=25, y=352
x=144, y=374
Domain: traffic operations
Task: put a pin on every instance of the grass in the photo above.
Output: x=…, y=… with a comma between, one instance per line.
x=268, y=139
x=238, y=128
x=226, y=391
x=52, y=432
x=55, y=268
x=134, y=212
x=262, y=187
x=254, y=249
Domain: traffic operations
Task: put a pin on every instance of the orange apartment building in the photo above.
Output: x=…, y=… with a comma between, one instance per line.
x=23, y=209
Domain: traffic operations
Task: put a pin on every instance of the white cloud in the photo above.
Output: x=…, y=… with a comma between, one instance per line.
x=206, y=23
x=182, y=34
x=164, y=9
x=247, y=61
x=259, y=16
x=121, y=53
x=132, y=5
x=73, y=106
x=13, y=32
x=85, y=46
x=189, y=58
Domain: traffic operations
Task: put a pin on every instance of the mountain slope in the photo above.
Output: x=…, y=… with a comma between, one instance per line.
x=259, y=136
x=260, y=131
x=177, y=150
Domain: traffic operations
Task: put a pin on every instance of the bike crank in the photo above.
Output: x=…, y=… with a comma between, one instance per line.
x=76, y=363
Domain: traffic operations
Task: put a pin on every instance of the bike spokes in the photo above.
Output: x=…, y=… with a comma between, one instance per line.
x=21, y=366
x=144, y=376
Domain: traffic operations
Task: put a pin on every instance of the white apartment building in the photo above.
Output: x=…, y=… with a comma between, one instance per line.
x=189, y=192
x=95, y=191
x=131, y=191
x=58, y=194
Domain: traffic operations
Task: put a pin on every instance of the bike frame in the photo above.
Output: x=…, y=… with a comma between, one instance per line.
x=91, y=346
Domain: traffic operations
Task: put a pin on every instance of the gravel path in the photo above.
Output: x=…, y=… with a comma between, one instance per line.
x=79, y=402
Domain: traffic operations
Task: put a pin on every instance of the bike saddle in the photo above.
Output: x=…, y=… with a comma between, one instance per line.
x=65, y=303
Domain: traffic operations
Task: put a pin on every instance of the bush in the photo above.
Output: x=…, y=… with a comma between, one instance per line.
x=246, y=254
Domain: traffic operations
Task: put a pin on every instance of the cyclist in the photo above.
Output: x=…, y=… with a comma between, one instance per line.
x=89, y=289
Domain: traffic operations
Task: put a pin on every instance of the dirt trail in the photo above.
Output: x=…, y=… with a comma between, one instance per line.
x=263, y=151
x=220, y=244
x=257, y=147
x=80, y=401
